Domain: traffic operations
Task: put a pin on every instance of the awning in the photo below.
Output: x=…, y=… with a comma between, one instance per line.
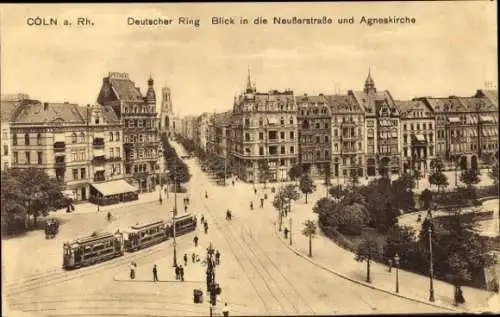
x=419, y=137
x=114, y=188
x=486, y=118
x=453, y=119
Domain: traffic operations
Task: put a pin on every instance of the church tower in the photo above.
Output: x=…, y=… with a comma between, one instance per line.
x=369, y=84
x=167, y=123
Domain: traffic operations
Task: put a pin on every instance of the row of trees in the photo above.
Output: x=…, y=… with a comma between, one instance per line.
x=178, y=171
x=28, y=193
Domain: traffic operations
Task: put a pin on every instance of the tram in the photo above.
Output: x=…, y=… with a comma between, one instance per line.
x=144, y=235
x=184, y=224
x=92, y=249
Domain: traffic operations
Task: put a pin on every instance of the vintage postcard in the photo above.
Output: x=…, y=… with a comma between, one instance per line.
x=249, y=159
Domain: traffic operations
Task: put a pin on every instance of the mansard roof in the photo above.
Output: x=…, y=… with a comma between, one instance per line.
x=8, y=109
x=124, y=88
x=343, y=104
x=108, y=114
x=406, y=107
x=372, y=102
x=491, y=95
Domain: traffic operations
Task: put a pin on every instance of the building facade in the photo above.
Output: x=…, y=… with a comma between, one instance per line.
x=219, y=138
x=348, y=136
x=201, y=133
x=68, y=143
x=383, y=153
x=140, y=127
x=314, y=134
x=7, y=109
x=264, y=134
x=418, y=139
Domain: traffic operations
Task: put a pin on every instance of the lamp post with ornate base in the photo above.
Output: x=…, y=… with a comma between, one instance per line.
x=431, y=271
x=396, y=262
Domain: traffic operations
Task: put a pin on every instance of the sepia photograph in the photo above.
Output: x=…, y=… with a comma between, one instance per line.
x=249, y=159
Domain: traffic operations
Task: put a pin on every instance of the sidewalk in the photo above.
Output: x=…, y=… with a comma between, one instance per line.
x=331, y=257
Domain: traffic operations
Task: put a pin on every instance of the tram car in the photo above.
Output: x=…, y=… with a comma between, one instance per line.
x=144, y=235
x=183, y=224
x=92, y=249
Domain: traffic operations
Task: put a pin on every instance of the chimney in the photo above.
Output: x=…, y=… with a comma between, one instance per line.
x=45, y=106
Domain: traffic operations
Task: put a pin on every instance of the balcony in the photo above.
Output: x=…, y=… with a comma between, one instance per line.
x=99, y=178
x=349, y=137
x=98, y=160
x=60, y=162
x=113, y=159
x=59, y=147
x=98, y=143
x=348, y=151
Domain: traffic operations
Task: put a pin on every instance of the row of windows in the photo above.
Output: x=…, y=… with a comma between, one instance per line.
x=407, y=152
x=140, y=123
x=272, y=135
x=113, y=136
x=141, y=154
x=139, y=109
x=272, y=150
x=270, y=121
x=314, y=111
x=28, y=158
x=430, y=138
x=319, y=139
x=140, y=138
x=308, y=156
x=424, y=126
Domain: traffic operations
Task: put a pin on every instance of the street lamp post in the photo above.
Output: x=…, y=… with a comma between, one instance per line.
x=431, y=271
x=174, y=212
x=396, y=262
x=290, y=229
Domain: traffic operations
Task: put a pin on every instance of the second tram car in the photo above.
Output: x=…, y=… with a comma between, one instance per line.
x=183, y=224
x=92, y=249
x=144, y=235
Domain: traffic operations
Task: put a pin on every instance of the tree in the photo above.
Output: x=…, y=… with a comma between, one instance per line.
x=494, y=173
x=326, y=171
x=37, y=192
x=295, y=172
x=439, y=179
x=353, y=180
x=366, y=251
x=469, y=177
x=459, y=274
x=13, y=209
x=337, y=191
x=426, y=198
x=290, y=193
x=306, y=185
x=437, y=165
x=352, y=219
x=309, y=231
x=402, y=240
x=402, y=192
x=324, y=206
x=279, y=202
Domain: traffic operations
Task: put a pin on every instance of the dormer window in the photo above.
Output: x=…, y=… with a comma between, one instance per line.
x=97, y=120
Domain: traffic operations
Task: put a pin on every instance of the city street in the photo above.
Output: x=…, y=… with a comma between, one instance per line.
x=275, y=280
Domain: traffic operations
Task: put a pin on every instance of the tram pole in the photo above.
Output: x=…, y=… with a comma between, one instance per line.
x=174, y=216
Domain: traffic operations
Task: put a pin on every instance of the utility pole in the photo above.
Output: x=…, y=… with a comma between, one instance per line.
x=290, y=229
x=174, y=212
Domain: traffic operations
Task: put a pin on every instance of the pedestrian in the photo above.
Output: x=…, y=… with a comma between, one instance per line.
x=197, y=258
x=68, y=209
x=262, y=203
x=185, y=259
x=286, y=233
x=232, y=182
x=390, y=264
x=217, y=257
x=181, y=271
x=206, y=195
x=255, y=191
x=109, y=216
x=132, y=270
x=195, y=240
x=193, y=257
x=202, y=219
x=206, y=227
x=251, y=205
x=177, y=273
x=165, y=189
x=187, y=199
x=155, y=273
x=185, y=208
x=225, y=310
x=161, y=200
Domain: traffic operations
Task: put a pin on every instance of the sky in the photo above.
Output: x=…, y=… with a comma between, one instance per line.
x=450, y=50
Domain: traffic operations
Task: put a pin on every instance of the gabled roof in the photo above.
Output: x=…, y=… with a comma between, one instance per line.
x=405, y=107
x=371, y=102
x=222, y=119
x=471, y=103
x=37, y=112
x=107, y=112
x=310, y=100
x=343, y=103
x=8, y=109
x=491, y=95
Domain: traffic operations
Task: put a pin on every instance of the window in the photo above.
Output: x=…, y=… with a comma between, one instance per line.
x=318, y=139
x=430, y=126
x=111, y=153
x=74, y=156
x=117, y=152
x=118, y=169
x=82, y=137
x=282, y=135
x=327, y=139
x=261, y=123
x=261, y=150
x=327, y=154
x=117, y=136
x=141, y=138
x=139, y=123
x=282, y=162
x=75, y=174
x=39, y=139
x=5, y=133
x=291, y=135
x=6, y=165
x=82, y=173
x=39, y=158
x=273, y=135
x=282, y=121
x=326, y=125
x=336, y=133
x=317, y=125
x=411, y=126
x=247, y=136
x=14, y=139
x=404, y=127
x=111, y=136
x=261, y=136
x=418, y=126
x=5, y=150
x=273, y=150
x=292, y=150
x=97, y=120
x=26, y=139
x=291, y=120
x=16, y=158
x=73, y=138
x=247, y=122
x=282, y=150
x=318, y=155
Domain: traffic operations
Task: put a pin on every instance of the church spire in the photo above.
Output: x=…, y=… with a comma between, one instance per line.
x=369, y=83
x=249, y=87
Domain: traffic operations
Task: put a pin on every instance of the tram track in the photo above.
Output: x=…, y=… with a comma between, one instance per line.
x=61, y=276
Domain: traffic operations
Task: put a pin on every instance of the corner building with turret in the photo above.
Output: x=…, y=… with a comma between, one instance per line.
x=137, y=113
x=264, y=133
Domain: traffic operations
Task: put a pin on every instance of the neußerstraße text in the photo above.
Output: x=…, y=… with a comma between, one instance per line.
x=276, y=20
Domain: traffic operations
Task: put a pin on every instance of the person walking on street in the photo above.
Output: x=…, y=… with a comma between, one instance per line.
x=206, y=227
x=193, y=257
x=390, y=264
x=109, y=216
x=181, y=271
x=195, y=240
x=251, y=205
x=155, y=273
x=255, y=191
x=225, y=310
x=177, y=273
x=185, y=208
x=262, y=203
x=286, y=233
x=132, y=270
x=217, y=257
x=232, y=182
x=185, y=259
x=202, y=219
x=206, y=195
